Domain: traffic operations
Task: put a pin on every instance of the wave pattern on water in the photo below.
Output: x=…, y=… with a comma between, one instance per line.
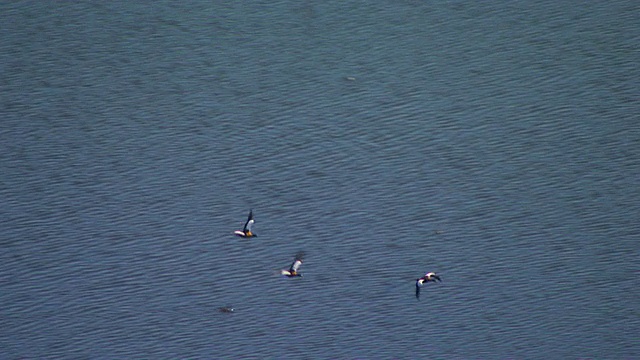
x=495, y=144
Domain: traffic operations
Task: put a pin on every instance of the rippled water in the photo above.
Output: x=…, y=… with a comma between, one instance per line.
x=495, y=144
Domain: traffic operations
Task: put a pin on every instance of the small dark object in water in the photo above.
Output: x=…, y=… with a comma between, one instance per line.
x=227, y=309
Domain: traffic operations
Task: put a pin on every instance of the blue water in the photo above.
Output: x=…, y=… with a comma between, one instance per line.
x=496, y=144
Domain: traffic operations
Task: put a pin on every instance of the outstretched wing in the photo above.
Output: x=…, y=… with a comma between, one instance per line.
x=295, y=266
x=297, y=261
x=249, y=223
x=431, y=276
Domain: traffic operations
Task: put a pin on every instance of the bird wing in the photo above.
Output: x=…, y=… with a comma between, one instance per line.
x=295, y=266
x=249, y=223
x=417, y=291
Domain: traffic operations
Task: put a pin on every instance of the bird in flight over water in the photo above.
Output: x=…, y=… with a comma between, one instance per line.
x=430, y=276
x=293, y=269
x=246, y=231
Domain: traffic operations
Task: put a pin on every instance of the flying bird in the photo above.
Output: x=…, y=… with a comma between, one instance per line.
x=430, y=276
x=293, y=269
x=246, y=231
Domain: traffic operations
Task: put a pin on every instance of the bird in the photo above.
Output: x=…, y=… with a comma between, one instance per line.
x=246, y=231
x=430, y=276
x=293, y=269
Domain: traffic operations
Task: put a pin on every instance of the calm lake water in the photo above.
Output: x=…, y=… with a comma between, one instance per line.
x=496, y=144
